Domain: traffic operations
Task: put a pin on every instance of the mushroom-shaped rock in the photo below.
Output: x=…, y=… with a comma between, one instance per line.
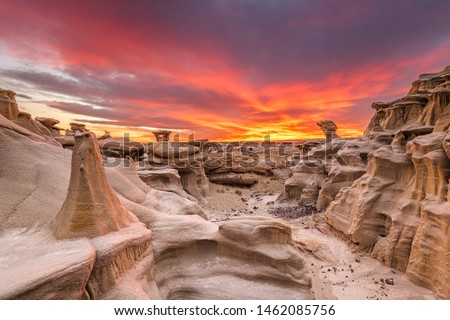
x=47, y=122
x=91, y=207
x=329, y=129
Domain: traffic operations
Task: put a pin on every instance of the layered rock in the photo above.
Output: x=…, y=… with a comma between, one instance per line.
x=400, y=210
x=91, y=207
x=244, y=179
x=121, y=148
x=108, y=254
x=78, y=268
x=187, y=160
x=306, y=181
x=50, y=125
x=8, y=105
x=199, y=260
x=164, y=180
x=10, y=110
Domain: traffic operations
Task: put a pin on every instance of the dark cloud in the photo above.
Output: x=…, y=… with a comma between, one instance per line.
x=24, y=96
x=224, y=65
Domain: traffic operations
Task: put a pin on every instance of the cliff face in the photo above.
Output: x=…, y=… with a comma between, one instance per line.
x=400, y=208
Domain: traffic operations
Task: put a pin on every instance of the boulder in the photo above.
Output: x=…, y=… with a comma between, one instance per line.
x=233, y=179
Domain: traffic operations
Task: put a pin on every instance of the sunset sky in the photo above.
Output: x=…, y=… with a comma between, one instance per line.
x=224, y=69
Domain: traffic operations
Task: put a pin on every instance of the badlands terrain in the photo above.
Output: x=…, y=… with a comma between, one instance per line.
x=86, y=217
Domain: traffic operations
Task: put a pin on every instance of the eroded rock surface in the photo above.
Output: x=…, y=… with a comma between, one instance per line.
x=399, y=210
x=91, y=207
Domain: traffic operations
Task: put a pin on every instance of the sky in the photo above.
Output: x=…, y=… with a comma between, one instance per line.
x=221, y=69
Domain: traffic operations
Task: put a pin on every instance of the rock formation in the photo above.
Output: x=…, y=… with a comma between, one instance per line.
x=50, y=124
x=186, y=159
x=244, y=179
x=76, y=128
x=8, y=105
x=91, y=207
x=32, y=191
x=101, y=251
x=10, y=110
x=329, y=129
x=399, y=210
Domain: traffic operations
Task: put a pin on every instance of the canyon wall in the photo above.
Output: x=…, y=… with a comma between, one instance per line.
x=399, y=210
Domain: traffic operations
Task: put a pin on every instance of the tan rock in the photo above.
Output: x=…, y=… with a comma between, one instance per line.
x=233, y=179
x=199, y=260
x=121, y=148
x=66, y=141
x=91, y=207
x=429, y=262
x=165, y=180
x=194, y=181
x=8, y=105
x=118, y=265
x=329, y=129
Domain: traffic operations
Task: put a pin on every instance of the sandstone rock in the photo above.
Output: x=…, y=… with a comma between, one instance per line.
x=106, y=135
x=429, y=81
x=384, y=209
x=91, y=207
x=10, y=110
x=197, y=260
x=24, y=120
x=76, y=128
x=172, y=204
x=329, y=129
x=121, y=148
x=172, y=150
x=104, y=267
x=25, y=185
x=429, y=263
x=233, y=179
x=66, y=141
x=443, y=122
x=446, y=144
x=50, y=125
x=8, y=105
x=306, y=181
x=165, y=180
x=47, y=122
x=126, y=254
x=126, y=182
x=339, y=177
x=194, y=181
x=44, y=270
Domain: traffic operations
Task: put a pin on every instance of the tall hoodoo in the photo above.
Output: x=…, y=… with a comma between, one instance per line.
x=91, y=207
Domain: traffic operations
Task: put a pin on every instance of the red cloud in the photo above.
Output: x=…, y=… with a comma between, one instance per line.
x=225, y=70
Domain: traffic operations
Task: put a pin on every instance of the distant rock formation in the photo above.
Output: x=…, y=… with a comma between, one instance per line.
x=8, y=105
x=91, y=207
x=50, y=124
x=329, y=129
x=186, y=159
x=76, y=128
x=10, y=110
